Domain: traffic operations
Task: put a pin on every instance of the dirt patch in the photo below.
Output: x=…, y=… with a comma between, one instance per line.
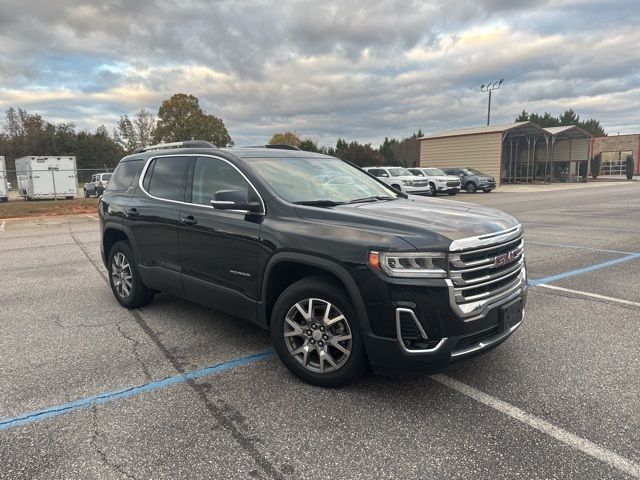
x=16, y=208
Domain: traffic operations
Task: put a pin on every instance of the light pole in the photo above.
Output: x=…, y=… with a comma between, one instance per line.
x=489, y=87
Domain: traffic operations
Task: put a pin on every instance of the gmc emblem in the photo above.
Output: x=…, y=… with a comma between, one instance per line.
x=505, y=259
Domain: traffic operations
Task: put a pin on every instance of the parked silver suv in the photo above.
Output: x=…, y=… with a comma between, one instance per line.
x=439, y=182
x=97, y=185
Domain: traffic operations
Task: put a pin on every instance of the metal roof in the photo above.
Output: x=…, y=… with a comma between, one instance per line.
x=525, y=128
x=502, y=127
x=568, y=131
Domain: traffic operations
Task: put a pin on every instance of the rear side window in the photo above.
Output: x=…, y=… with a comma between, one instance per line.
x=166, y=178
x=123, y=176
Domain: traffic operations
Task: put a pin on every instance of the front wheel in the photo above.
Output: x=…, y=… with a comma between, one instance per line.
x=316, y=334
x=471, y=187
x=124, y=278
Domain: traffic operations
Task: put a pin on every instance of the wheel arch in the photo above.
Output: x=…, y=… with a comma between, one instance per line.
x=110, y=236
x=286, y=268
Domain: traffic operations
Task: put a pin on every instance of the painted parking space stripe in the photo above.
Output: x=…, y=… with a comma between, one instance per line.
x=578, y=247
x=583, y=445
x=114, y=395
x=579, y=271
x=2, y=226
x=90, y=216
x=592, y=295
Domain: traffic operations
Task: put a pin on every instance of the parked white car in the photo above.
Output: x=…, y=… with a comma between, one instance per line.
x=439, y=182
x=401, y=179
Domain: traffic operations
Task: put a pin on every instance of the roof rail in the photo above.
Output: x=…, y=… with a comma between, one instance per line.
x=280, y=146
x=185, y=144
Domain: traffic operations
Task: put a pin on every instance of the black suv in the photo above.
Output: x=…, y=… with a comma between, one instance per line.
x=344, y=271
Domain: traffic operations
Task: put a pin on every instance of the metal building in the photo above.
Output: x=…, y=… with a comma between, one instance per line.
x=520, y=152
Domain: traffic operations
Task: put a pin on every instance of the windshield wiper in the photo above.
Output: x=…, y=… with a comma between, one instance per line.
x=319, y=203
x=375, y=198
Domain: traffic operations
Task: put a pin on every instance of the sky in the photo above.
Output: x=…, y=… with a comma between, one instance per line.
x=360, y=70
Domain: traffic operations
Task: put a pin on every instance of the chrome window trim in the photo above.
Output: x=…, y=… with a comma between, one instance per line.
x=486, y=240
x=208, y=207
x=399, y=312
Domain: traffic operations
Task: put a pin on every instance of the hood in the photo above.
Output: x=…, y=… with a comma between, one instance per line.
x=446, y=178
x=427, y=223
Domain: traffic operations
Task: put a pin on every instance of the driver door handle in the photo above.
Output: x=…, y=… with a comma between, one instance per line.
x=131, y=213
x=188, y=221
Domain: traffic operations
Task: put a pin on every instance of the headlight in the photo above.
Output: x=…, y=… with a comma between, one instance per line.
x=410, y=264
x=407, y=182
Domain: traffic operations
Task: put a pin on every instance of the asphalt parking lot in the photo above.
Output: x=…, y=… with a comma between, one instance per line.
x=91, y=390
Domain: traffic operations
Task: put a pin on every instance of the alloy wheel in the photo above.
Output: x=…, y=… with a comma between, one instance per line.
x=318, y=335
x=121, y=275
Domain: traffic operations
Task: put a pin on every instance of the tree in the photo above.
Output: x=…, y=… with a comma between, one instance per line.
x=386, y=150
x=596, y=163
x=629, y=167
x=125, y=134
x=361, y=155
x=308, y=145
x=569, y=117
x=131, y=135
x=285, y=138
x=180, y=118
x=406, y=153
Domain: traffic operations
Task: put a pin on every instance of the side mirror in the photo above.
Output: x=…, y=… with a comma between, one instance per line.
x=385, y=175
x=253, y=207
x=235, y=200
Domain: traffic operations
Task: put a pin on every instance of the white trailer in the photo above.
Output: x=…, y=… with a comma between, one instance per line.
x=47, y=177
x=4, y=187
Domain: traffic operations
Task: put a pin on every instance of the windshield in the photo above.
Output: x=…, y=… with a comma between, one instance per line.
x=399, y=172
x=472, y=171
x=106, y=177
x=317, y=179
x=434, y=172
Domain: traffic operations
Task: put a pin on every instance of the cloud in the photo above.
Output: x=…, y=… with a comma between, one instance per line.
x=358, y=70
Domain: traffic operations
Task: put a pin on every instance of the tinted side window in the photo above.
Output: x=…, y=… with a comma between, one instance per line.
x=124, y=175
x=166, y=178
x=212, y=176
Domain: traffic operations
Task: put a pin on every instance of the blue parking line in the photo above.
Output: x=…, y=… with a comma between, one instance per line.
x=108, y=397
x=578, y=247
x=579, y=271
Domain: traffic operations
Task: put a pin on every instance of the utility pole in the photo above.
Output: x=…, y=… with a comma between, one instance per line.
x=489, y=87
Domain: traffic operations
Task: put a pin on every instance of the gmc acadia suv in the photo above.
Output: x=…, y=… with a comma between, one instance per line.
x=345, y=272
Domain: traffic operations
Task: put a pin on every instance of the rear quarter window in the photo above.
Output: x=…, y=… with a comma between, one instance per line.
x=124, y=175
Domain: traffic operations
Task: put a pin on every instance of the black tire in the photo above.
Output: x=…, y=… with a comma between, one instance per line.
x=139, y=295
x=86, y=194
x=350, y=367
x=432, y=187
x=470, y=187
x=397, y=187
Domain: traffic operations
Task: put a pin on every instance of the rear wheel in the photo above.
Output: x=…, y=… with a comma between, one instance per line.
x=86, y=194
x=124, y=278
x=316, y=334
x=470, y=187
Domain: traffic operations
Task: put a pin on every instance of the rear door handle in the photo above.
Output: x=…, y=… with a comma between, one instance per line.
x=188, y=221
x=131, y=213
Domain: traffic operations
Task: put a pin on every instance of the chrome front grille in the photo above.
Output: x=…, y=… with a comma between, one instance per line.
x=453, y=183
x=491, y=272
x=420, y=183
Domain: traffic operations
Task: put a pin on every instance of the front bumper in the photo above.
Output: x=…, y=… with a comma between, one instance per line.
x=421, y=190
x=450, y=331
x=487, y=186
x=390, y=357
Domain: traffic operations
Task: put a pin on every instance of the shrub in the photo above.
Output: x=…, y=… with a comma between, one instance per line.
x=596, y=163
x=629, y=167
